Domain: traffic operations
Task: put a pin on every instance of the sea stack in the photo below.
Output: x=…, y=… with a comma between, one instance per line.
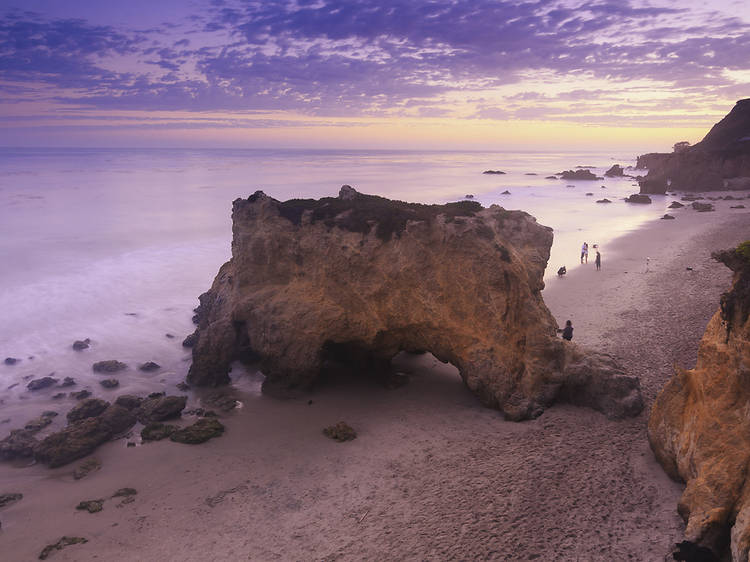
x=359, y=278
x=699, y=428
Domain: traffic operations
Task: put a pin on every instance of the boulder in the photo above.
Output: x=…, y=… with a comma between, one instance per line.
x=199, y=432
x=667, y=217
x=7, y=499
x=356, y=280
x=605, y=200
x=80, y=345
x=156, y=431
x=92, y=506
x=190, y=340
x=638, y=198
x=86, y=467
x=493, y=172
x=161, y=408
x=81, y=394
x=580, y=174
x=615, y=171
x=44, y=382
x=676, y=205
x=149, y=366
x=88, y=408
x=11, y=361
x=77, y=440
x=68, y=381
x=702, y=207
x=109, y=383
x=20, y=443
x=118, y=419
x=128, y=401
x=340, y=431
x=110, y=366
x=699, y=429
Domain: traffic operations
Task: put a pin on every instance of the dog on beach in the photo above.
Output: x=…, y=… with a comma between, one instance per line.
x=562, y=271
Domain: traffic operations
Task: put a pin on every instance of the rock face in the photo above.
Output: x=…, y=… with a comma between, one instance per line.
x=581, y=174
x=358, y=278
x=720, y=161
x=699, y=429
x=615, y=171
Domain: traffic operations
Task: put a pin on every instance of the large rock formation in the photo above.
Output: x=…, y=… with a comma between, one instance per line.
x=720, y=161
x=699, y=428
x=358, y=278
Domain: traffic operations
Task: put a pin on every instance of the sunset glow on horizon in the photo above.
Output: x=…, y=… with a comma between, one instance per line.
x=486, y=75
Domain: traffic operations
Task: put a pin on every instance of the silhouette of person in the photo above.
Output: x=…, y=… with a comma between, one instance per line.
x=567, y=333
x=598, y=260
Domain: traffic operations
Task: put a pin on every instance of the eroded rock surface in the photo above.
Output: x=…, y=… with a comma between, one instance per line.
x=358, y=278
x=699, y=427
x=720, y=161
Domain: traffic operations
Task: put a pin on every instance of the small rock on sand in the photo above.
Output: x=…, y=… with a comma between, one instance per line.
x=340, y=432
x=199, y=432
x=156, y=431
x=92, y=506
x=7, y=499
x=86, y=467
x=59, y=545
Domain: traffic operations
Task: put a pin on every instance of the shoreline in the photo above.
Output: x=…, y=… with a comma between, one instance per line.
x=432, y=474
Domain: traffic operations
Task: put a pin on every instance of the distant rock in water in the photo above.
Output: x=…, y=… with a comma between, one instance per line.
x=720, y=161
x=390, y=276
x=44, y=382
x=637, y=198
x=493, y=172
x=615, y=171
x=80, y=345
x=11, y=361
x=605, y=200
x=699, y=429
x=506, y=192
x=702, y=207
x=149, y=366
x=580, y=174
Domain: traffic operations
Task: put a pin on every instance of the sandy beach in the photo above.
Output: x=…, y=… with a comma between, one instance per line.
x=432, y=474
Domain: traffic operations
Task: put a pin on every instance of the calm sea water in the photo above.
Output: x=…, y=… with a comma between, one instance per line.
x=116, y=245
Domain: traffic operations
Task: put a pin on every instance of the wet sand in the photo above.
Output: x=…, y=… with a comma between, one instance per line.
x=432, y=474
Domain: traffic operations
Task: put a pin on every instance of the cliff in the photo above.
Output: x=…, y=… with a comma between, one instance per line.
x=720, y=161
x=699, y=428
x=356, y=279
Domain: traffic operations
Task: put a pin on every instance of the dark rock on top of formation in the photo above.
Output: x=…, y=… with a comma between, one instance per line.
x=699, y=429
x=390, y=276
x=87, y=408
x=81, y=394
x=80, y=345
x=109, y=366
x=109, y=383
x=605, y=200
x=702, y=207
x=128, y=401
x=720, y=161
x=59, y=545
x=156, y=431
x=161, y=408
x=638, y=198
x=11, y=361
x=340, y=431
x=125, y=492
x=39, y=384
x=676, y=205
x=199, y=432
x=149, y=366
x=615, y=171
x=493, y=172
x=7, y=499
x=580, y=174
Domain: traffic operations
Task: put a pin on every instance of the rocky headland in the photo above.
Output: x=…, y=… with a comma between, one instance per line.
x=720, y=161
x=699, y=428
x=354, y=280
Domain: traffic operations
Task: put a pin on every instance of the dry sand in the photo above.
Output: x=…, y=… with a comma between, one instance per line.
x=432, y=475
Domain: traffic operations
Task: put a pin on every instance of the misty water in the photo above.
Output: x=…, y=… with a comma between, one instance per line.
x=116, y=245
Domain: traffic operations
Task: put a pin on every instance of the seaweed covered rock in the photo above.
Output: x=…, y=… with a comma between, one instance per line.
x=340, y=431
x=87, y=408
x=161, y=408
x=199, y=432
x=358, y=278
x=156, y=431
x=699, y=429
x=73, y=442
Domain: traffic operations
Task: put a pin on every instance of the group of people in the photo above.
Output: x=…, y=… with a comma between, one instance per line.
x=585, y=255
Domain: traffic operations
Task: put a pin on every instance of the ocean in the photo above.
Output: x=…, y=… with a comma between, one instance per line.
x=115, y=245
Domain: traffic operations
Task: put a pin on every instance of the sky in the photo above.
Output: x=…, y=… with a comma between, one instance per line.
x=416, y=74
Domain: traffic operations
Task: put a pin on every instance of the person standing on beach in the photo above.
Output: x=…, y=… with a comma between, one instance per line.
x=585, y=252
x=598, y=260
x=567, y=333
